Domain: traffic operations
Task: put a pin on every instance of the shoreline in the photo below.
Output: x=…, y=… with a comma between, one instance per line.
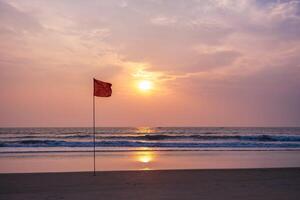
x=146, y=160
x=248, y=184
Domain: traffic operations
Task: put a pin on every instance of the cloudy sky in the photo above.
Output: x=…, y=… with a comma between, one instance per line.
x=211, y=62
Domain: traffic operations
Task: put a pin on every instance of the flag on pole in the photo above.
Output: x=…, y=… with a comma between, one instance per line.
x=102, y=89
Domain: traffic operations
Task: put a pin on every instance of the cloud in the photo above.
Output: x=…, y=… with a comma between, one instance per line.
x=161, y=20
x=14, y=21
x=233, y=56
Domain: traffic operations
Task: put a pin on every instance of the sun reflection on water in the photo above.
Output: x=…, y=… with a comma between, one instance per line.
x=145, y=157
x=145, y=130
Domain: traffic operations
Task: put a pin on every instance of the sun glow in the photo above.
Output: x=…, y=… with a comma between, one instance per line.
x=144, y=157
x=145, y=85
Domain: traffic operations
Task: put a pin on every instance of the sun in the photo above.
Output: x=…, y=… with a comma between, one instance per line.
x=145, y=85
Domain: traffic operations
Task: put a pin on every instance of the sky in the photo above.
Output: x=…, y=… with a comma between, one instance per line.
x=210, y=62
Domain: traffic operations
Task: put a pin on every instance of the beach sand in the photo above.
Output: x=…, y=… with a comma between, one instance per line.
x=243, y=184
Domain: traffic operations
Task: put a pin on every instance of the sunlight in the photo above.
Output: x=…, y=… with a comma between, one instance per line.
x=145, y=85
x=144, y=131
x=144, y=157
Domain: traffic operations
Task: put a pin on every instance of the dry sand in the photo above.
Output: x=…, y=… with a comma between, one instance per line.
x=174, y=184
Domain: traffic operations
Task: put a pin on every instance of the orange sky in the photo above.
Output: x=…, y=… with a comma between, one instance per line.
x=210, y=63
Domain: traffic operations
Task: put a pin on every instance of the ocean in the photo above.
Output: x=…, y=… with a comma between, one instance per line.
x=20, y=140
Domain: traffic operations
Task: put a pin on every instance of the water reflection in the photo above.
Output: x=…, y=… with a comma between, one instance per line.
x=144, y=130
x=145, y=157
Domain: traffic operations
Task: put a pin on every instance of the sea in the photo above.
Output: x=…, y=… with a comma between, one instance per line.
x=22, y=140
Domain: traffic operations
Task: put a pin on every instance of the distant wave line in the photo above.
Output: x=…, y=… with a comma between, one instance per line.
x=271, y=138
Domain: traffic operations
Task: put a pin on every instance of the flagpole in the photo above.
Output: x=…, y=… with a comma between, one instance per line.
x=94, y=130
x=101, y=89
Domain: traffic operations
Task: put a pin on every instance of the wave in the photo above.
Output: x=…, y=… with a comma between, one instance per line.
x=271, y=138
x=157, y=137
x=57, y=143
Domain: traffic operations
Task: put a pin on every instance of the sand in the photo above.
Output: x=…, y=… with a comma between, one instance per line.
x=243, y=184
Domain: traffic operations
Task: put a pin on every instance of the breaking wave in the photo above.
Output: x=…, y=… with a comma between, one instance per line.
x=173, y=137
x=54, y=143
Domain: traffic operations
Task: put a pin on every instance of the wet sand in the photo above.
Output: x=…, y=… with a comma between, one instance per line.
x=141, y=160
x=244, y=184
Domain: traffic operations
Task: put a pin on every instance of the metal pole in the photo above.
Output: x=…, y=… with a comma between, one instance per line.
x=94, y=129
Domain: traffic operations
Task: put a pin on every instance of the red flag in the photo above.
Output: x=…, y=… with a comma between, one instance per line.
x=102, y=89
